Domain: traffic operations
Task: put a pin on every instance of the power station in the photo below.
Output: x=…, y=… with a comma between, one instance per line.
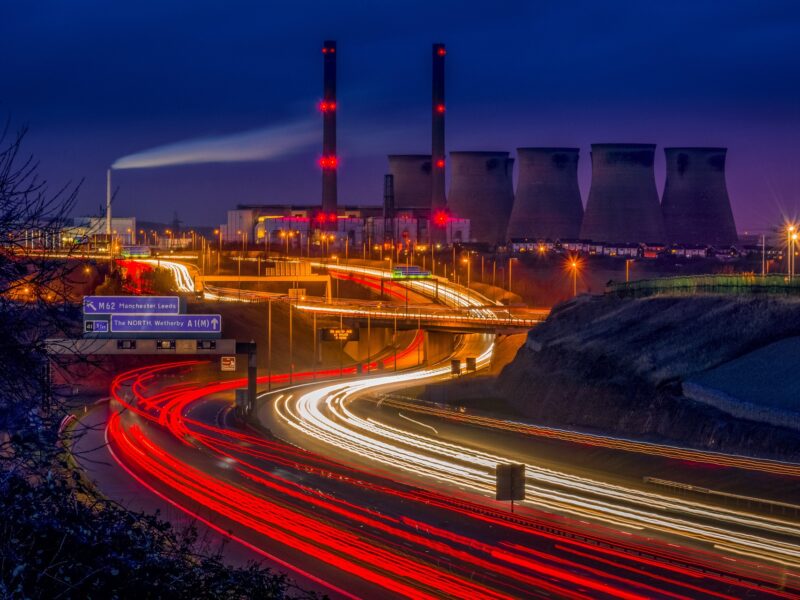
x=547, y=202
x=695, y=205
x=481, y=204
x=623, y=201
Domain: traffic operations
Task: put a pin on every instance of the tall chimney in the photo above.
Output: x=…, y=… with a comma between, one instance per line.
x=329, y=161
x=438, y=200
x=108, y=203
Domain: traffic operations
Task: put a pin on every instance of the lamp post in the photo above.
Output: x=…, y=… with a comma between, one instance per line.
x=241, y=257
x=790, y=229
x=269, y=344
x=628, y=262
x=219, y=253
x=574, y=266
x=467, y=261
x=291, y=349
x=510, y=260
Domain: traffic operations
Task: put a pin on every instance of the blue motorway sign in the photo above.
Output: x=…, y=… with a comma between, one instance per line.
x=131, y=305
x=166, y=324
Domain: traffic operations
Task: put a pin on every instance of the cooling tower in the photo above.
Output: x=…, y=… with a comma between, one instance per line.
x=481, y=190
x=695, y=205
x=623, y=201
x=547, y=203
x=412, y=180
x=329, y=161
x=437, y=198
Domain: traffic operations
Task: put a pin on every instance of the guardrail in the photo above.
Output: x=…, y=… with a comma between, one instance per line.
x=480, y=317
x=707, y=284
x=772, y=505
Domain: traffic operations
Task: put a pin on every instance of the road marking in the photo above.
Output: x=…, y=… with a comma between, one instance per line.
x=418, y=423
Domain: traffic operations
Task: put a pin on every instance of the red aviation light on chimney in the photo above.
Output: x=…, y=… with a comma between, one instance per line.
x=332, y=217
x=328, y=162
x=440, y=218
x=440, y=163
x=440, y=108
x=325, y=106
x=441, y=52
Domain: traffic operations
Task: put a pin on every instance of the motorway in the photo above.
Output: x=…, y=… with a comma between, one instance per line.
x=371, y=494
x=366, y=531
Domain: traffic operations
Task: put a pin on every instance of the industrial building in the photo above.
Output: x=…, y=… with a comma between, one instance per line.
x=695, y=204
x=93, y=229
x=300, y=228
x=547, y=201
x=481, y=190
x=623, y=201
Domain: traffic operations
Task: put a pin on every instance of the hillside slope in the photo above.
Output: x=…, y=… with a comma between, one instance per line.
x=617, y=366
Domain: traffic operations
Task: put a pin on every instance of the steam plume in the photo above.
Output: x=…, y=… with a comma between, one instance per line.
x=257, y=144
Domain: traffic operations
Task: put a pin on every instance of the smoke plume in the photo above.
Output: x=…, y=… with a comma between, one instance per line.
x=257, y=144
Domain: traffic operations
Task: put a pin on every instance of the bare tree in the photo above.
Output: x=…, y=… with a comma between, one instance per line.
x=35, y=298
x=58, y=538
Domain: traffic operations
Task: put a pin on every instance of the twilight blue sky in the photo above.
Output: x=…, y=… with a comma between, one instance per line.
x=96, y=81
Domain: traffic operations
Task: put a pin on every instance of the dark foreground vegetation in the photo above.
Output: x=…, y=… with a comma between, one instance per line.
x=58, y=539
x=57, y=543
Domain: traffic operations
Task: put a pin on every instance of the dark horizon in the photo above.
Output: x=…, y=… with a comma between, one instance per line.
x=529, y=75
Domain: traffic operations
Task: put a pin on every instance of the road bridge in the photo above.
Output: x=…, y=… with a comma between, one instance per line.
x=201, y=280
x=430, y=316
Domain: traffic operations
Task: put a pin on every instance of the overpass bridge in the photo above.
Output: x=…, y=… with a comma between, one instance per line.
x=429, y=316
x=453, y=307
x=202, y=281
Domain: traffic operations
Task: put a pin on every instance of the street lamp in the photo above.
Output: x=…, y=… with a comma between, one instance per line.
x=467, y=261
x=574, y=265
x=511, y=259
x=628, y=262
x=219, y=254
x=241, y=257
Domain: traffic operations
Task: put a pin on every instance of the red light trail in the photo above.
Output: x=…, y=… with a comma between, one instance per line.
x=396, y=547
